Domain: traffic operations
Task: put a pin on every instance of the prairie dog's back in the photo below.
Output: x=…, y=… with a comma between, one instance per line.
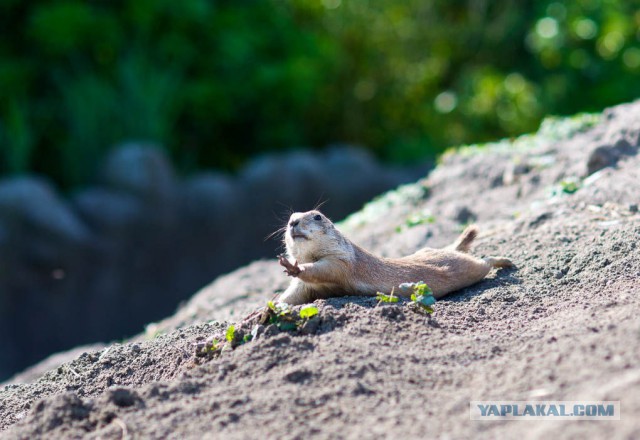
x=443, y=270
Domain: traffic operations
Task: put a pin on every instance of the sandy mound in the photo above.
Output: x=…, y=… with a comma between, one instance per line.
x=563, y=204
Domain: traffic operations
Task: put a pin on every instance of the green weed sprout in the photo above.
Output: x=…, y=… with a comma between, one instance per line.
x=566, y=186
x=421, y=295
x=231, y=334
x=308, y=311
x=280, y=309
x=209, y=348
x=382, y=297
x=281, y=316
x=570, y=185
x=215, y=345
x=420, y=218
x=234, y=339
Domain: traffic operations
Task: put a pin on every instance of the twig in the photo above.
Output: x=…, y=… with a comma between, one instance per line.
x=104, y=353
x=123, y=427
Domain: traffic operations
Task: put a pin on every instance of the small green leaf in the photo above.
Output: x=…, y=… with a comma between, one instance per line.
x=247, y=338
x=283, y=309
x=286, y=325
x=308, y=311
x=231, y=333
x=570, y=185
x=419, y=219
x=426, y=300
x=386, y=298
x=422, y=296
x=421, y=288
x=271, y=305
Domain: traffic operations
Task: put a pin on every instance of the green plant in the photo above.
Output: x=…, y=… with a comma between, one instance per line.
x=308, y=311
x=384, y=298
x=230, y=334
x=420, y=218
x=279, y=309
x=421, y=295
x=234, y=337
x=210, y=348
x=570, y=185
x=213, y=346
x=280, y=315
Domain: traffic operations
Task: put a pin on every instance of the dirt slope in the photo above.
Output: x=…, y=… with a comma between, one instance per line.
x=561, y=326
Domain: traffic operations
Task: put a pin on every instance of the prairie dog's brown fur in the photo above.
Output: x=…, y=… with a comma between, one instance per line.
x=327, y=264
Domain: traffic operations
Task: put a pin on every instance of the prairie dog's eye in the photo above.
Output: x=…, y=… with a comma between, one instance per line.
x=318, y=217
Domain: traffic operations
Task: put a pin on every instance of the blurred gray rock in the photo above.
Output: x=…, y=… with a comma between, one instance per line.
x=143, y=170
x=618, y=138
x=608, y=155
x=106, y=210
x=284, y=178
x=462, y=214
x=32, y=203
x=140, y=168
x=211, y=195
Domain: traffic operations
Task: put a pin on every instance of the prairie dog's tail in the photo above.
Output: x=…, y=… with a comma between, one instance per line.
x=463, y=242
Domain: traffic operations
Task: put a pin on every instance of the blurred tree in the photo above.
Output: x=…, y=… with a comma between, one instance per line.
x=217, y=81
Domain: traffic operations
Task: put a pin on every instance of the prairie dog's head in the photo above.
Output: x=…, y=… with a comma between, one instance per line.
x=310, y=235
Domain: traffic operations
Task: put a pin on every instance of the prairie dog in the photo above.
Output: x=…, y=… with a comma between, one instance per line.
x=327, y=264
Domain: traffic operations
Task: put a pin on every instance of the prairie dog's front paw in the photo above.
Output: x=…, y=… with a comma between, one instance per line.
x=292, y=270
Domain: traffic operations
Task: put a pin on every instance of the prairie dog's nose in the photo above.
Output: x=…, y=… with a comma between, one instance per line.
x=294, y=223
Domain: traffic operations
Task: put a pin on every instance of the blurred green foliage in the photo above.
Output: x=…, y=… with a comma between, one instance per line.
x=217, y=81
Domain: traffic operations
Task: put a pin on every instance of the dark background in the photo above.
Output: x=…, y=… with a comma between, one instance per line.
x=148, y=146
x=215, y=82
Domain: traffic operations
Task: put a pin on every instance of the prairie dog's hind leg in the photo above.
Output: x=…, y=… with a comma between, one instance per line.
x=498, y=262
